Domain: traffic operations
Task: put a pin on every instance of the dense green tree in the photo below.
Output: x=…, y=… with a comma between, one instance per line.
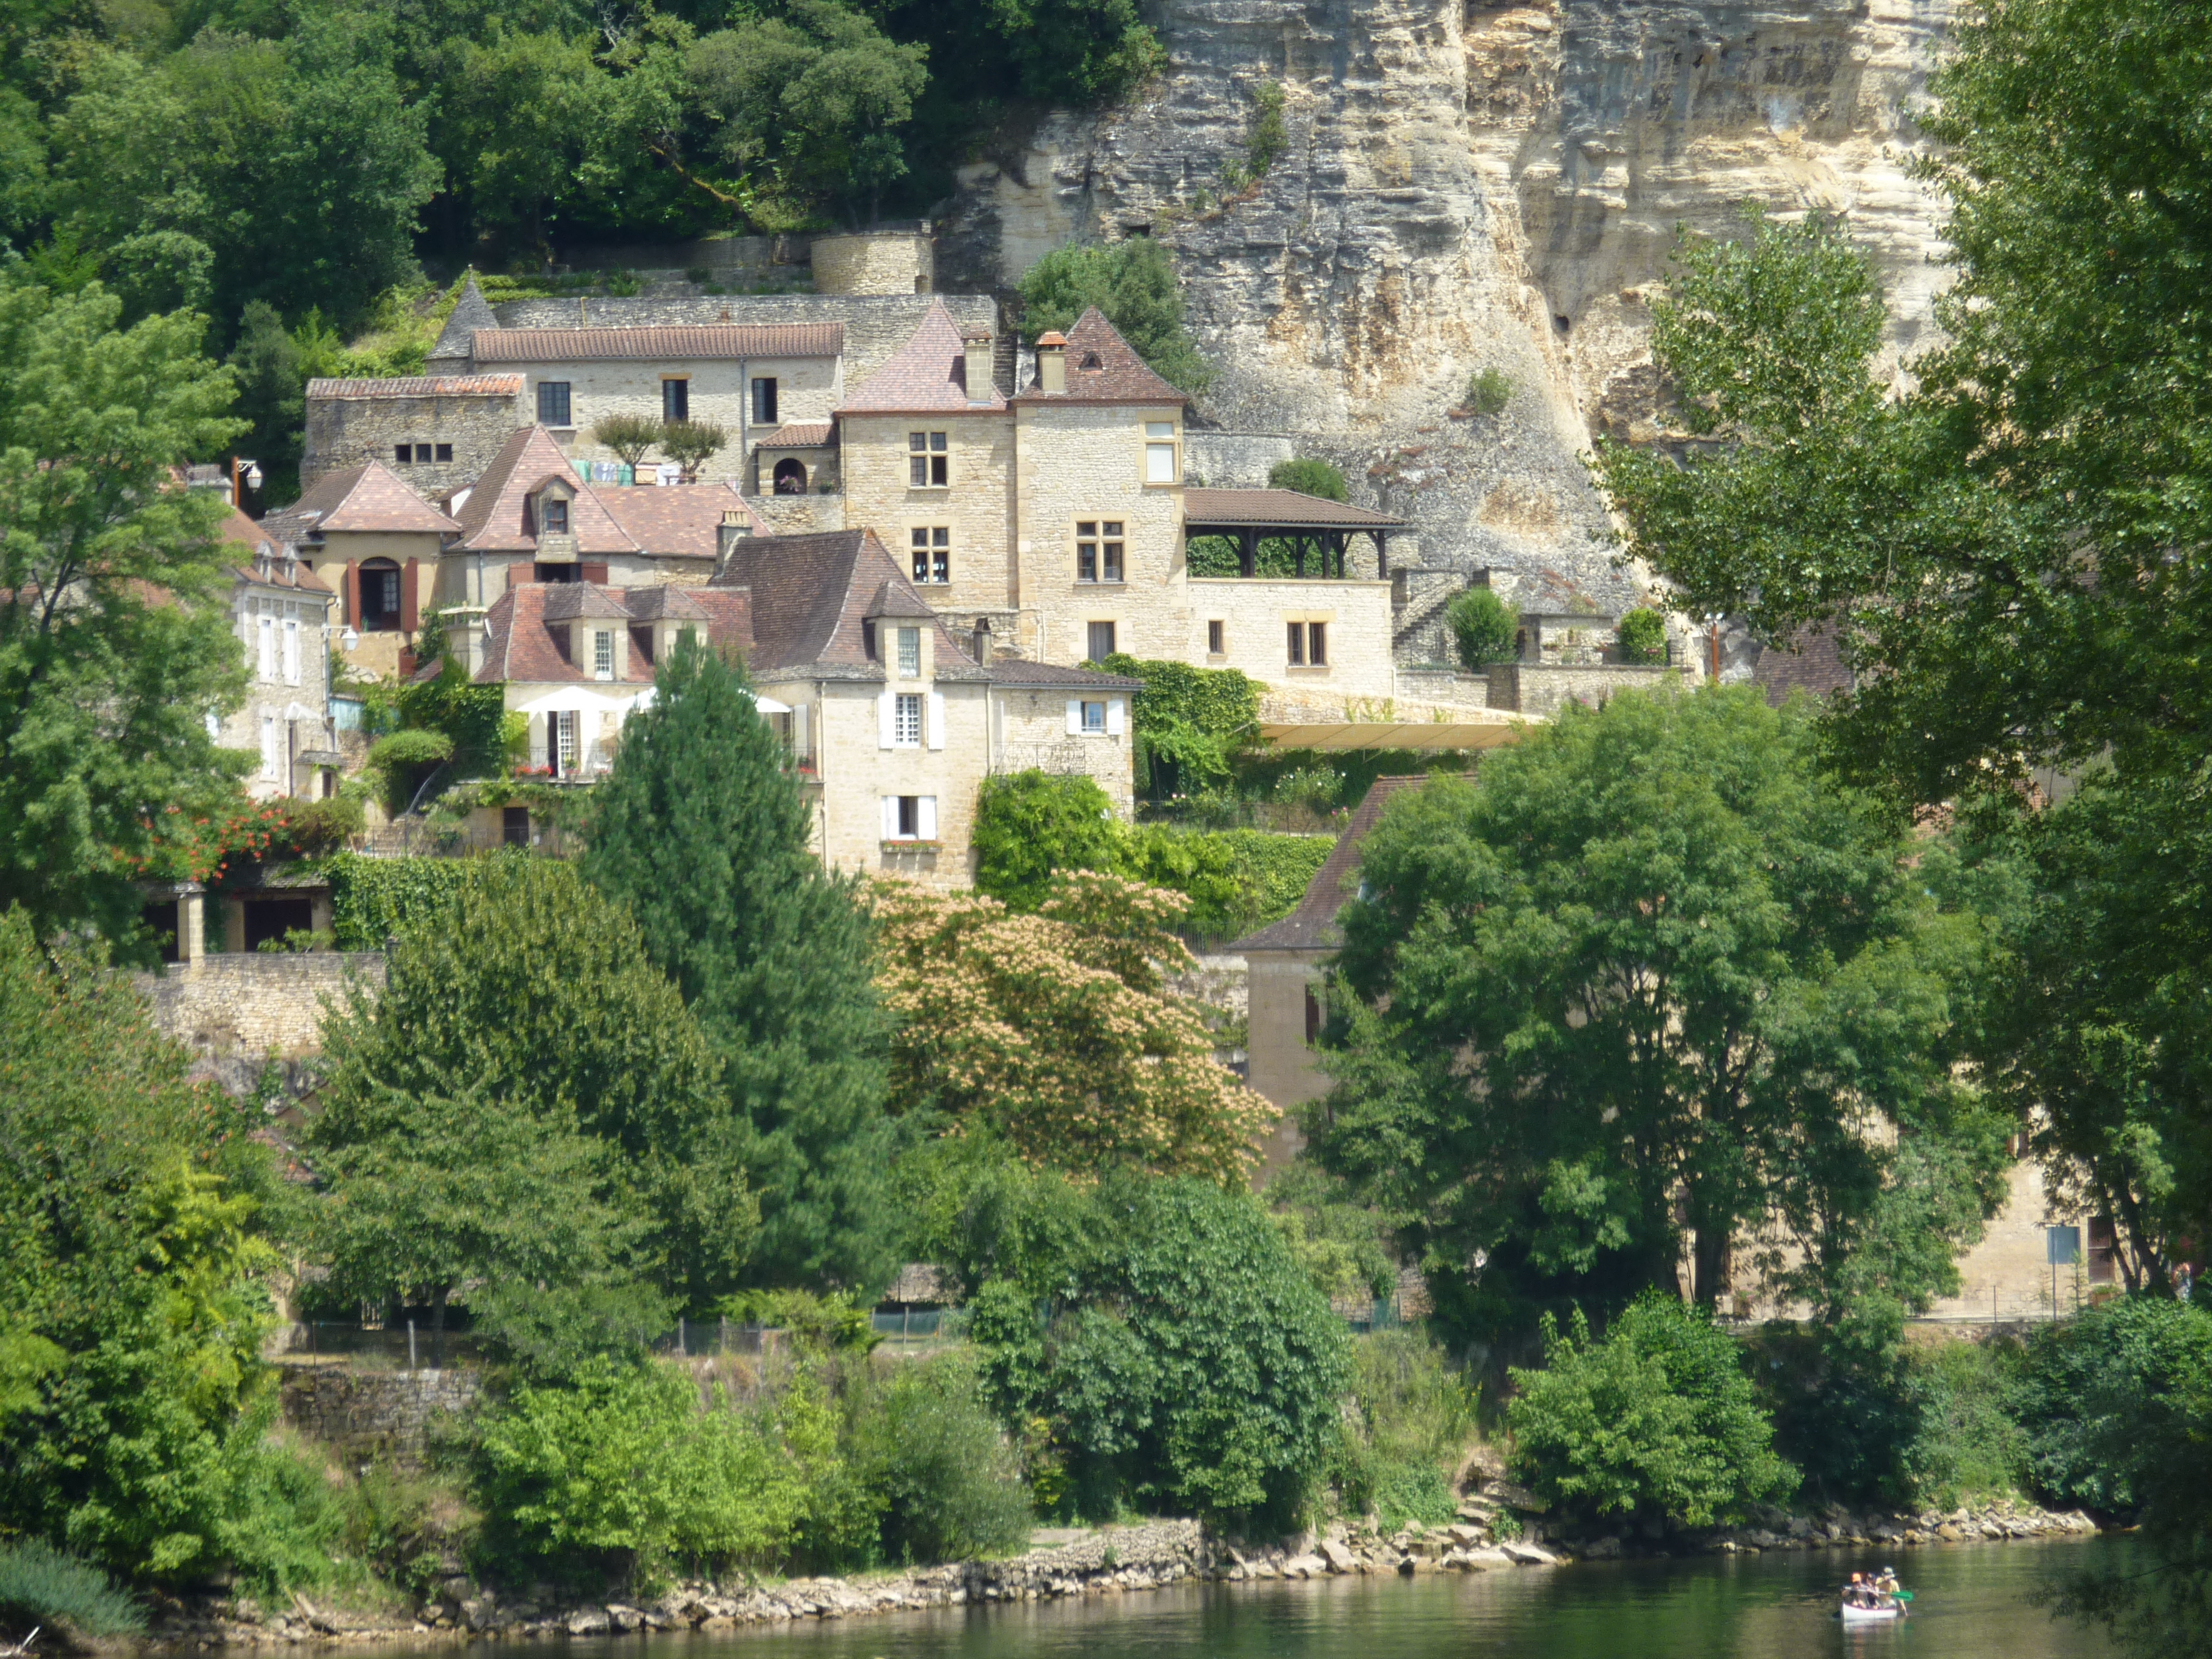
x=1132, y=282
x=523, y=1009
x=701, y=831
x=1627, y=999
x=1310, y=478
x=1483, y=627
x=1654, y=1422
x=809, y=104
x=1178, y=1353
x=272, y=397
x=115, y=639
x=1077, y=52
x=134, y=1251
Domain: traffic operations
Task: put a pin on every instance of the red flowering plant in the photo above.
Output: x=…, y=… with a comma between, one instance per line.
x=207, y=845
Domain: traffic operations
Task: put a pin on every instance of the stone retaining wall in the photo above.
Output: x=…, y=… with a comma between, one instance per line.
x=388, y=1414
x=254, y=1004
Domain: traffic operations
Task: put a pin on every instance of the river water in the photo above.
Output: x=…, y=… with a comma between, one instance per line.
x=1970, y=1602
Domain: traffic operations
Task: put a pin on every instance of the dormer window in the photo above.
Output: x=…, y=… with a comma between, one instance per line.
x=603, y=654
x=554, y=517
x=909, y=653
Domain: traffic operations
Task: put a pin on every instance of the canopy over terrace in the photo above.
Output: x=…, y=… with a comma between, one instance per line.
x=1309, y=524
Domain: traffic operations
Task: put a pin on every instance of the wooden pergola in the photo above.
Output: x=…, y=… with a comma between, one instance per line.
x=1318, y=530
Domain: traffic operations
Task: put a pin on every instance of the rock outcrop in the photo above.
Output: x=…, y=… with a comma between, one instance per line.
x=1465, y=187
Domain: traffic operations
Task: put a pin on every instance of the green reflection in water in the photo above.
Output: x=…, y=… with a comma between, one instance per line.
x=1973, y=1602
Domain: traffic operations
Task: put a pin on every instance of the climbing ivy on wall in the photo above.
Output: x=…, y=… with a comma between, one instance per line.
x=373, y=899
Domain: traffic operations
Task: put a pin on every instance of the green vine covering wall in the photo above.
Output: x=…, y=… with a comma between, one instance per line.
x=373, y=899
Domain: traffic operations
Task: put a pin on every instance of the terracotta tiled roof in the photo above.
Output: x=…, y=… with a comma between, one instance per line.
x=380, y=499
x=809, y=598
x=1265, y=507
x=683, y=520
x=1103, y=367
x=237, y=527
x=797, y=434
x=494, y=518
x=1312, y=926
x=562, y=345
x=521, y=647
x=927, y=375
x=1019, y=672
x=1808, y=662
x=421, y=386
x=287, y=573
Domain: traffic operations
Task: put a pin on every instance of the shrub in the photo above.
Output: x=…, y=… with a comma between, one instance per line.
x=1310, y=478
x=1263, y=144
x=1489, y=390
x=1482, y=627
x=2086, y=1389
x=1028, y=825
x=1657, y=1420
x=692, y=444
x=1412, y=1418
x=930, y=1449
x=41, y=1586
x=1641, y=635
x=372, y=900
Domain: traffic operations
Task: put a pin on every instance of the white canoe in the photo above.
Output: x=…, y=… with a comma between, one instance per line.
x=1872, y=1615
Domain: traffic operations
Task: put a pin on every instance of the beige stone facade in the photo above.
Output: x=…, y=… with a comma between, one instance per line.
x=881, y=262
x=1044, y=729
x=283, y=618
x=1255, y=615
x=974, y=507
x=717, y=391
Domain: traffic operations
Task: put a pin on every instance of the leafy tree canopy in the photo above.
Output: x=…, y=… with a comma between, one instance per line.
x=1310, y=478
x=1133, y=282
x=115, y=638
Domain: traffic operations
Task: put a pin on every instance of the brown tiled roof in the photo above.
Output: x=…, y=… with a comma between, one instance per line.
x=493, y=518
x=676, y=520
x=539, y=345
x=1019, y=672
x=809, y=597
x=1103, y=367
x=421, y=386
x=1265, y=507
x=284, y=573
x=521, y=647
x=663, y=603
x=237, y=527
x=1809, y=661
x=380, y=499
x=1312, y=926
x=927, y=375
x=797, y=434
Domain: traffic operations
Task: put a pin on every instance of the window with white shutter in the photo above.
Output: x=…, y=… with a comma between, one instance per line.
x=291, y=652
x=886, y=713
x=267, y=666
x=1114, y=717
x=937, y=720
x=906, y=729
x=1075, y=717
x=272, y=738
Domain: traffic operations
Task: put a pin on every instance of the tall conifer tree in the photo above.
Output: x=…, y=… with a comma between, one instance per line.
x=703, y=833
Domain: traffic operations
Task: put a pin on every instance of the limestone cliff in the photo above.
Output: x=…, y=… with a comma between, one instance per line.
x=1466, y=187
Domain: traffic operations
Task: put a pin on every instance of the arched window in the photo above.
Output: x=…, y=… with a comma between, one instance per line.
x=790, y=477
x=380, y=596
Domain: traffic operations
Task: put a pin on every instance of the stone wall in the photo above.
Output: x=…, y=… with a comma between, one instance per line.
x=1255, y=613
x=883, y=262
x=799, y=515
x=1543, y=688
x=256, y=1004
x=391, y=1414
x=1031, y=730
x=345, y=431
x=1235, y=460
x=977, y=506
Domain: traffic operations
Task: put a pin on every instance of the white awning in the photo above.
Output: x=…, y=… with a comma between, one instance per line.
x=573, y=699
x=766, y=705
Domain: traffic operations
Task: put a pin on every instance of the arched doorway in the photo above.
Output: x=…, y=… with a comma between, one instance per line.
x=790, y=477
x=380, y=596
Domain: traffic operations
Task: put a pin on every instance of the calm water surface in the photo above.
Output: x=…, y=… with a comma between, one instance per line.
x=1972, y=1602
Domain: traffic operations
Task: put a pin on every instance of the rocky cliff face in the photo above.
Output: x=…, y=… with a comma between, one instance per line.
x=1467, y=187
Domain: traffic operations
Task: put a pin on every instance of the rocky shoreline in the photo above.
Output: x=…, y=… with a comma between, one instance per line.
x=1111, y=1561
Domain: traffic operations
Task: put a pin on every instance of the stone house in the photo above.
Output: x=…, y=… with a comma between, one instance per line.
x=437, y=431
x=375, y=543
x=282, y=616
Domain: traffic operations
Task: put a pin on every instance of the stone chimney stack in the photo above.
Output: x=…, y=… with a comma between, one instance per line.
x=978, y=347
x=1051, y=362
x=734, y=528
x=464, y=637
x=982, y=646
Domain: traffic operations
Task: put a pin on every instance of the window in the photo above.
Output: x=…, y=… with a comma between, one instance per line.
x=403, y=454
x=1313, y=1017
x=291, y=652
x=2103, y=1269
x=272, y=745
x=927, y=460
x=1094, y=717
x=552, y=403
x=564, y=742
x=1309, y=645
x=380, y=596
x=425, y=453
x=790, y=477
x=909, y=653
x=910, y=817
x=1298, y=645
x=764, y=402
x=514, y=825
x=675, y=400
x=555, y=517
x=905, y=721
x=1098, y=547
x=1159, y=451
x=933, y=553
x=445, y=452
x=1213, y=639
x=603, y=654
x=266, y=667
x=1102, y=640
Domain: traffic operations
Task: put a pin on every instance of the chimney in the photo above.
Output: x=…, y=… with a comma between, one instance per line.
x=978, y=348
x=983, y=648
x=734, y=527
x=1051, y=362
x=464, y=637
